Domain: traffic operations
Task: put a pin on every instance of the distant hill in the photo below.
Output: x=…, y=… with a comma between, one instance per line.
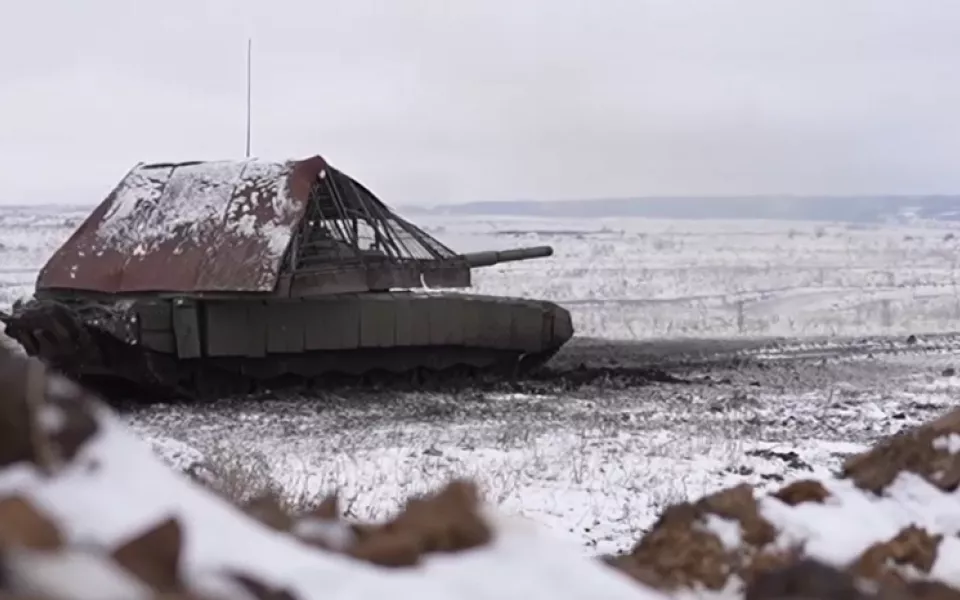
x=857, y=209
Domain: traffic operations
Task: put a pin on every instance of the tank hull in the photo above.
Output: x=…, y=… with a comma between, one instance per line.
x=205, y=349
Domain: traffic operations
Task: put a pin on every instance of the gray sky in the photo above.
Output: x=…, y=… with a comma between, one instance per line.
x=436, y=101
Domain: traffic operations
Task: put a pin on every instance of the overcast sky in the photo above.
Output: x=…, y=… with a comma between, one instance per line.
x=434, y=101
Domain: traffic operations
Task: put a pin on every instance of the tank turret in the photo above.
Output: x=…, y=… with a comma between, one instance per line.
x=490, y=258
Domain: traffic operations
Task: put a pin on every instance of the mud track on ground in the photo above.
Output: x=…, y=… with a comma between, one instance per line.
x=704, y=353
x=604, y=365
x=628, y=364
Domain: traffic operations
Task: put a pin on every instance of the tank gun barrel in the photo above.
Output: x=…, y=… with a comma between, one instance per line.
x=494, y=257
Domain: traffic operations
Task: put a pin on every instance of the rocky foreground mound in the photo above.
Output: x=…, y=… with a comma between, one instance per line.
x=885, y=526
x=87, y=511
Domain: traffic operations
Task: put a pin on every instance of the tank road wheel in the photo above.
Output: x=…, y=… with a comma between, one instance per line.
x=460, y=373
x=532, y=362
x=210, y=383
x=505, y=368
x=422, y=376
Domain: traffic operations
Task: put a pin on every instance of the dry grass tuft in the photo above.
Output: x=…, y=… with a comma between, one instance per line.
x=247, y=481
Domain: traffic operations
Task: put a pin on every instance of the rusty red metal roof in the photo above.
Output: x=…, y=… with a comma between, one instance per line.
x=188, y=228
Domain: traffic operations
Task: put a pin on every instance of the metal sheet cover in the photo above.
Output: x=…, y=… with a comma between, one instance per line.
x=188, y=228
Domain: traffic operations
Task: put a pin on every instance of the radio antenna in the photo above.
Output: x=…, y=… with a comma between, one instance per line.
x=249, y=89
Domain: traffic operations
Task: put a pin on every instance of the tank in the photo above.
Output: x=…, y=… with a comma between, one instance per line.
x=206, y=279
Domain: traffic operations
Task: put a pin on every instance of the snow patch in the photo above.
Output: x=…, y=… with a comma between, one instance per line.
x=950, y=443
x=51, y=418
x=727, y=530
x=71, y=574
x=850, y=520
x=129, y=490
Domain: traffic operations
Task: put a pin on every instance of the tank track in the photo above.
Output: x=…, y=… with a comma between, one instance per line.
x=93, y=346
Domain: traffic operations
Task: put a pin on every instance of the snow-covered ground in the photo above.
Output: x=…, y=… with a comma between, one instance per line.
x=596, y=462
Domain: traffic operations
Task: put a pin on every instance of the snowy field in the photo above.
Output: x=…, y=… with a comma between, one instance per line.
x=597, y=464
x=633, y=278
x=597, y=461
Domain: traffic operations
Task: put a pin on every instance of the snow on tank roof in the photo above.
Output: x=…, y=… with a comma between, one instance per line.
x=190, y=227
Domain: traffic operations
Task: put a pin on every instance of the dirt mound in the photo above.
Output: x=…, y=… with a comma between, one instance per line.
x=448, y=521
x=886, y=525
